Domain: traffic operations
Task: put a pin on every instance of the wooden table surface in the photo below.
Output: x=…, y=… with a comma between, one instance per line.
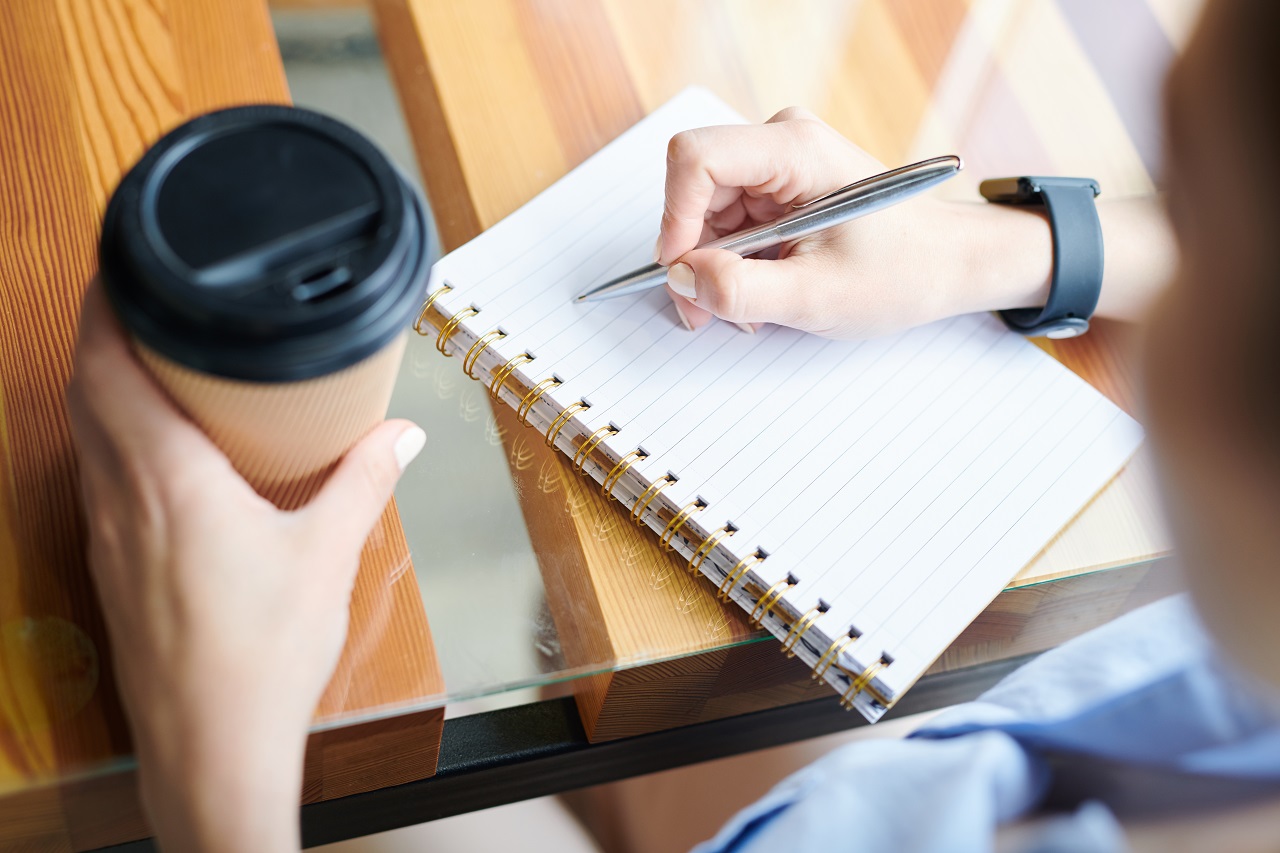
x=502, y=97
x=85, y=86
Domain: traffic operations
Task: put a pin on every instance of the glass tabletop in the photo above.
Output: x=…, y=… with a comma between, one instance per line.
x=476, y=567
x=478, y=576
x=477, y=571
x=500, y=629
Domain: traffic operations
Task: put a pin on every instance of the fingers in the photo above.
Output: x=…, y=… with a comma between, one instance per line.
x=792, y=114
x=357, y=491
x=113, y=390
x=709, y=169
x=721, y=179
x=691, y=316
x=748, y=290
x=702, y=163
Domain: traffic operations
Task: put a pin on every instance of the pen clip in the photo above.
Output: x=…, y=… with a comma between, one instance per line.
x=946, y=160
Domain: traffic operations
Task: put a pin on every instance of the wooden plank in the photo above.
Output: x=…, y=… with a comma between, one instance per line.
x=85, y=85
x=317, y=5
x=451, y=204
x=522, y=91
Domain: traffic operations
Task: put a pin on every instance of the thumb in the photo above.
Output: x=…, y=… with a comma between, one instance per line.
x=358, y=490
x=746, y=290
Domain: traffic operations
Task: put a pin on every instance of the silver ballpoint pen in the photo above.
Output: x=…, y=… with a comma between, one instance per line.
x=835, y=208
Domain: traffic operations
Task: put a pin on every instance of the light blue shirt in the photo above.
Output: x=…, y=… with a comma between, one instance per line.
x=1148, y=689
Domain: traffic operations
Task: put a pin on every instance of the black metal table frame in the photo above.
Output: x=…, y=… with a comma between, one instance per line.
x=538, y=749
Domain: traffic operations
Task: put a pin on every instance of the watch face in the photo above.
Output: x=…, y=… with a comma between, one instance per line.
x=1006, y=190
x=1027, y=188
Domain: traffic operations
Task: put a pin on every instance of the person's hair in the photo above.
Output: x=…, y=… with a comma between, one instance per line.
x=1249, y=29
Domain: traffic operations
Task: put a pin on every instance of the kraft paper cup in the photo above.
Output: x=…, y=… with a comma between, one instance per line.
x=267, y=262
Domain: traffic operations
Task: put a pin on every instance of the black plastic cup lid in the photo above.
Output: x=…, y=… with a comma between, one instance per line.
x=264, y=243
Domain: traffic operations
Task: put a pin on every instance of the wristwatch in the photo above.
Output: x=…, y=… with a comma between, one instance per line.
x=1077, y=252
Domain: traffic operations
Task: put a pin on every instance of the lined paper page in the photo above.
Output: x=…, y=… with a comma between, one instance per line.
x=900, y=481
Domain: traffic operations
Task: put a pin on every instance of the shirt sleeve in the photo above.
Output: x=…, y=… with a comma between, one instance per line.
x=1147, y=690
x=893, y=795
x=916, y=796
x=950, y=786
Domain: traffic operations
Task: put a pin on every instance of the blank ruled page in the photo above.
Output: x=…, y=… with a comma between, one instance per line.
x=898, y=482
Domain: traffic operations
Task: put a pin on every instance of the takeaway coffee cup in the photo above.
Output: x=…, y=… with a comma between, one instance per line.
x=267, y=261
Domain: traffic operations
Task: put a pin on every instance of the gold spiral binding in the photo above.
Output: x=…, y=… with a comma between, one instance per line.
x=502, y=373
x=473, y=355
x=831, y=655
x=619, y=471
x=677, y=521
x=737, y=573
x=708, y=545
x=857, y=685
x=584, y=450
x=769, y=600
x=647, y=496
x=450, y=327
x=531, y=399
x=426, y=306
x=799, y=629
x=553, y=431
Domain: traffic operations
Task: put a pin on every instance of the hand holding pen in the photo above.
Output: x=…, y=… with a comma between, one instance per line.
x=901, y=267
x=802, y=220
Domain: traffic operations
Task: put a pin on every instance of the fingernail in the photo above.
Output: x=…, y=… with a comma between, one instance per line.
x=409, y=445
x=680, y=277
x=683, y=319
x=746, y=327
x=657, y=249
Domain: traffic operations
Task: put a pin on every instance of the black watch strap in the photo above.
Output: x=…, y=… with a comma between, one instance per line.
x=1077, y=252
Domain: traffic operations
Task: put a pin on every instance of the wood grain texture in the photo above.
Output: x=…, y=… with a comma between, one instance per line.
x=451, y=205
x=85, y=85
x=317, y=5
x=522, y=91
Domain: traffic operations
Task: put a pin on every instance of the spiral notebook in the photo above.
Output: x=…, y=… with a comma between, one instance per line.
x=862, y=500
